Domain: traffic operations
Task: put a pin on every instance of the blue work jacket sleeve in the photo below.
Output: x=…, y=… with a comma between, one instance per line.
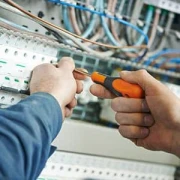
x=26, y=132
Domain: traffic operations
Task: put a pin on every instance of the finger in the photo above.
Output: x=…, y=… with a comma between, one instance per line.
x=149, y=84
x=133, y=140
x=135, y=119
x=68, y=112
x=100, y=91
x=80, y=76
x=125, y=105
x=79, y=86
x=133, y=132
x=43, y=67
x=72, y=104
x=66, y=63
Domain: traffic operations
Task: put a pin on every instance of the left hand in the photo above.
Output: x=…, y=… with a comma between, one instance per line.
x=61, y=82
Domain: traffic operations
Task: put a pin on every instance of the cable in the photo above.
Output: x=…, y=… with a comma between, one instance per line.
x=112, y=24
x=154, y=28
x=163, y=17
x=105, y=26
x=122, y=3
x=66, y=19
x=92, y=23
x=69, y=34
x=166, y=31
x=14, y=27
x=89, y=28
x=135, y=14
x=74, y=21
x=147, y=24
x=162, y=53
x=103, y=14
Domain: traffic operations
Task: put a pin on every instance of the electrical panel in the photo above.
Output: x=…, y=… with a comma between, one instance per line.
x=147, y=37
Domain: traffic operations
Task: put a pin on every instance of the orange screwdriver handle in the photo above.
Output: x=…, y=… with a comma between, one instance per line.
x=118, y=86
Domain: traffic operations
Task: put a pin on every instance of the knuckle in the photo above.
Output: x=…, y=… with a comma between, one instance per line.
x=68, y=61
x=119, y=118
x=42, y=66
x=115, y=103
x=66, y=58
x=125, y=131
x=142, y=72
x=122, y=132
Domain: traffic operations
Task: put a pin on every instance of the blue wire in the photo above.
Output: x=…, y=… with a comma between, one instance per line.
x=15, y=25
x=173, y=60
x=147, y=24
x=164, y=52
x=92, y=23
x=67, y=23
x=104, y=15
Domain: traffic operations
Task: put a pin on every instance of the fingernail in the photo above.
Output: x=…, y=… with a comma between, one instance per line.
x=85, y=70
x=144, y=131
x=124, y=73
x=148, y=120
x=145, y=107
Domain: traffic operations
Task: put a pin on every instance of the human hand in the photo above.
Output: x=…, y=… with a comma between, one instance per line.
x=61, y=82
x=153, y=122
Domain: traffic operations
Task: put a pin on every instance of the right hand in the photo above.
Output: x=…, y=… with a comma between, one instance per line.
x=153, y=122
x=58, y=81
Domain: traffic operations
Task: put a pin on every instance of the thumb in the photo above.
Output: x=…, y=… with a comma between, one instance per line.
x=66, y=63
x=149, y=84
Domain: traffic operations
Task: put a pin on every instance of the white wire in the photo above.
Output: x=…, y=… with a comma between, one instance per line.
x=135, y=16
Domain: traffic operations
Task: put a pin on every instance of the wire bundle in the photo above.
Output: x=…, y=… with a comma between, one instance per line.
x=106, y=23
x=100, y=24
x=112, y=28
x=168, y=59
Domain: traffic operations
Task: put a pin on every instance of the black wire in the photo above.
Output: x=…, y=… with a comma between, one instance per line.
x=58, y=37
x=80, y=16
x=139, y=58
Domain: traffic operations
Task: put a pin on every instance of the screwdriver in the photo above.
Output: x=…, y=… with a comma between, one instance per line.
x=115, y=85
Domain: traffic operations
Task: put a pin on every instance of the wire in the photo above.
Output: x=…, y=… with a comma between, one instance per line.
x=162, y=53
x=166, y=31
x=11, y=26
x=112, y=24
x=92, y=23
x=88, y=29
x=67, y=24
x=122, y=3
x=147, y=24
x=105, y=26
x=74, y=36
x=154, y=28
x=110, y=36
x=163, y=17
x=74, y=21
x=105, y=15
x=135, y=14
